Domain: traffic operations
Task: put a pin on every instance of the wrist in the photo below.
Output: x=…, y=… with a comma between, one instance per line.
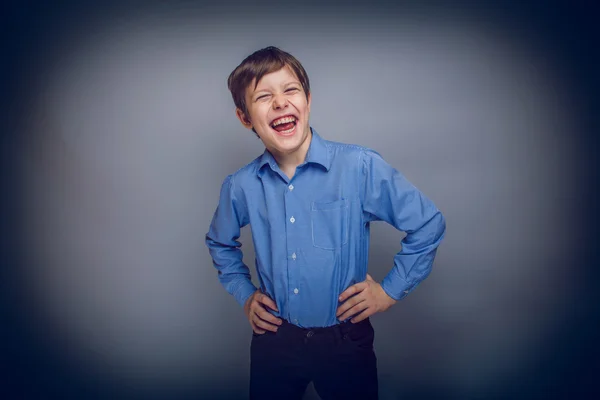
x=247, y=303
x=389, y=300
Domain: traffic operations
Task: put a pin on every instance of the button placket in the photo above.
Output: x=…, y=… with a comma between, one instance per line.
x=291, y=206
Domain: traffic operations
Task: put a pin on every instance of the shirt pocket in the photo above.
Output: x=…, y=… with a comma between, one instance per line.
x=330, y=224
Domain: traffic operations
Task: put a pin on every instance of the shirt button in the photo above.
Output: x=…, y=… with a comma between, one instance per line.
x=296, y=291
x=292, y=220
x=291, y=187
x=294, y=256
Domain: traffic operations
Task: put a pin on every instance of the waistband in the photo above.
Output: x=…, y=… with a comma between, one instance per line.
x=340, y=329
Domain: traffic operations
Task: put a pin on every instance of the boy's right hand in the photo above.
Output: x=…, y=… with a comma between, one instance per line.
x=260, y=319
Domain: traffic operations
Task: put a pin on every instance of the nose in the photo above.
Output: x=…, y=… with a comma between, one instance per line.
x=279, y=102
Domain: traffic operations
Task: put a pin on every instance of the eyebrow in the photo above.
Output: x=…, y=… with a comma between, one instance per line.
x=284, y=85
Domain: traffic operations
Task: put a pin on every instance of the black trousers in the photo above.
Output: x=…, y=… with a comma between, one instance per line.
x=339, y=360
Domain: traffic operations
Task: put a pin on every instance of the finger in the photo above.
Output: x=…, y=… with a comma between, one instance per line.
x=363, y=315
x=369, y=278
x=264, y=324
x=358, y=287
x=351, y=302
x=266, y=300
x=266, y=316
x=354, y=310
x=257, y=330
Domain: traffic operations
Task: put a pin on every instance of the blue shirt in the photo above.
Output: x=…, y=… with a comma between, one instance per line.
x=311, y=232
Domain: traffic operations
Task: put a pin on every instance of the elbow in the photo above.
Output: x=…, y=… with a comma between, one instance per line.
x=208, y=240
x=435, y=229
x=438, y=231
x=212, y=240
x=441, y=224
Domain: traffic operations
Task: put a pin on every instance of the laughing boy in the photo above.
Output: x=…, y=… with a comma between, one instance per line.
x=310, y=202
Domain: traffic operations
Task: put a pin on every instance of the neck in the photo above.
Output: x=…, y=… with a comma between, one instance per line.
x=289, y=161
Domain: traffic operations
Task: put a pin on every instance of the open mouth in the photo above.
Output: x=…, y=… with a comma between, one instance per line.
x=284, y=125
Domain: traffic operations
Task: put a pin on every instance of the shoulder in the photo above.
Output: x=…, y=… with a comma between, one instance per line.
x=351, y=151
x=244, y=176
x=235, y=185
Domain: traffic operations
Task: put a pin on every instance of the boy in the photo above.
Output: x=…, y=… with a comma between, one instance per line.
x=309, y=202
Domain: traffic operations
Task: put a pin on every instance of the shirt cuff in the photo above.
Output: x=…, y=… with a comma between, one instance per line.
x=244, y=291
x=397, y=288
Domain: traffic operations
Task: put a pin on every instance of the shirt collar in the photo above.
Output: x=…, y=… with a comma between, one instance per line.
x=317, y=154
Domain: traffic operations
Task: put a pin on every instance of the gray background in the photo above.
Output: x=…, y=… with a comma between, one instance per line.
x=129, y=131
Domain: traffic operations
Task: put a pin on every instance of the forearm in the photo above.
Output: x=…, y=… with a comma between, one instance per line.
x=240, y=286
x=233, y=274
x=414, y=262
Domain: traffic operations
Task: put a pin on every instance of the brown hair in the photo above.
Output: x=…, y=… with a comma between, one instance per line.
x=258, y=64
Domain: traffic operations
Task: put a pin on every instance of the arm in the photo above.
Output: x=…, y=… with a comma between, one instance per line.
x=223, y=245
x=388, y=196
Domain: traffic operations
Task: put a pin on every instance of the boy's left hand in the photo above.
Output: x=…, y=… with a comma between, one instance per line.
x=366, y=298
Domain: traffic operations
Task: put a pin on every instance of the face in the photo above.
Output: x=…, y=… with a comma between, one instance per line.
x=278, y=110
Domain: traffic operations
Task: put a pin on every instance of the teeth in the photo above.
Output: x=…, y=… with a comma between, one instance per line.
x=283, y=121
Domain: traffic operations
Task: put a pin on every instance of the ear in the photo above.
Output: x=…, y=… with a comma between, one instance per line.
x=243, y=118
x=309, y=98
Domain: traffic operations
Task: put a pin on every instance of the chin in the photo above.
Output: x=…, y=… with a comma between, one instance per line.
x=287, y=142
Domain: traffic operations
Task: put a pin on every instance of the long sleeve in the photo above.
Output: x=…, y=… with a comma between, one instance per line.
x=388, y=196
x=223, y=245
